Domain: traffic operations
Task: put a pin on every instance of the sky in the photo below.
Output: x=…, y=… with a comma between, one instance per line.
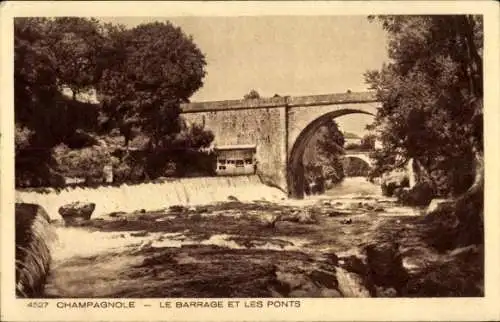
x=285, y=55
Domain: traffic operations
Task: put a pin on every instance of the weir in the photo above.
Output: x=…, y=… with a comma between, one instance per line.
x=153, y=196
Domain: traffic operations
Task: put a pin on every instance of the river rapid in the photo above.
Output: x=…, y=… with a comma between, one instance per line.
x=262, y=248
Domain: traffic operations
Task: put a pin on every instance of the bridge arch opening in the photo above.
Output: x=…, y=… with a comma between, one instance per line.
x=295, y=165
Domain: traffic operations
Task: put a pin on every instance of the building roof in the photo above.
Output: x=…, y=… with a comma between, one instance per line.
x=235, y=147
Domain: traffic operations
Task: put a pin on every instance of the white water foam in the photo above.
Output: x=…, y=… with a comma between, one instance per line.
x=78, y=242
x=154, y=196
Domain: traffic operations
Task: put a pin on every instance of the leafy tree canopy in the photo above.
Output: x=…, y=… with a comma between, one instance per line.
x=46, y=58
x=253, y=94
x=332, y=141
x=154, y=68
x=141, y=76
x=431, y=94
x=327, y=151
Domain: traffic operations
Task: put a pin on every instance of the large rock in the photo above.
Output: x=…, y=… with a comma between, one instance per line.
x=351, y=284
x=306, y=218
x=400, y=192
x=390, y=181
x=77, y=212
x=420, y=195
x=302, y=217
x=437, y=203
x=385, y=265
x=303, y=282
x=268, y=220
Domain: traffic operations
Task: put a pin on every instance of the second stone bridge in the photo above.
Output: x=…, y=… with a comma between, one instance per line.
x=280, y=127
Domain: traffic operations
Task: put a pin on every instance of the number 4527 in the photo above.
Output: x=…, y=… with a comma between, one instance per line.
x=38, y=305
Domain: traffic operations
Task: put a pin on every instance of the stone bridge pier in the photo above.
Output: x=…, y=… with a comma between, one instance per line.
x=280, y=127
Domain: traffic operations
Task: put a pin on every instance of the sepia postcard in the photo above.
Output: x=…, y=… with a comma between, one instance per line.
x=256, y=161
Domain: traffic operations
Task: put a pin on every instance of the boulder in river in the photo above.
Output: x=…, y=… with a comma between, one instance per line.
x=306, y=218
x=303, y=282
x=117, y=214
x=77, y=212
x=268, y=220
x=393, y=180
x=351, y=284
x=437, y=203
x=420, y=195
x=303, y=217
x=335, y=213
x=385, y=265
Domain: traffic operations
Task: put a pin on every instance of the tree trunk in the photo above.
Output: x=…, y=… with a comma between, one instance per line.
x=423, y=174
x=469, y=208
x=476, y=190
x=478, y=183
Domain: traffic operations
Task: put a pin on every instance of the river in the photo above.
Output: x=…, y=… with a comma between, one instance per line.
x=235, y=248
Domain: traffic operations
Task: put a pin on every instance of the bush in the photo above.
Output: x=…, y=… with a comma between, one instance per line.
x=85, y=163
x=140, y=166
x=36, y=168
x=42, y=168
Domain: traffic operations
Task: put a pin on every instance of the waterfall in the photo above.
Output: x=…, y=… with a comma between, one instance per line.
x=411, y=173
x=153, y=196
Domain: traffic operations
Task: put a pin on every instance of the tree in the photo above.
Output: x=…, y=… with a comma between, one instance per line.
x=332, y=142
x=432, y=101
x=35, y=79
x=253, y=94
x=154, y=68
x=43, y=116
x=76, y=44
x=42, y=68
x=141, y=75
x=431, y=94
x=330, y=148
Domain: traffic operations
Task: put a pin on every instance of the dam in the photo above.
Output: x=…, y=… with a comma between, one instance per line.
x=152, y=196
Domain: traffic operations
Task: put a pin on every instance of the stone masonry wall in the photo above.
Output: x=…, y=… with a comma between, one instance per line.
x=272, y=124
x=300, y=117
x=264, y=127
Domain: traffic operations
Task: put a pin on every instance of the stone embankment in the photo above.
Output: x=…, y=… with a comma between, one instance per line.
x=35, y=237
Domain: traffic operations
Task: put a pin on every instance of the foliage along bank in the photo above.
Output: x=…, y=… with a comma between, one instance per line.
x=431, y=92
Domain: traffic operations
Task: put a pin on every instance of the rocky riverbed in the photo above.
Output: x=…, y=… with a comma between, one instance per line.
x=351, y=242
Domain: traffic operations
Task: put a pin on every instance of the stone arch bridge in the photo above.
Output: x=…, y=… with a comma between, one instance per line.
x=280, y=127
x=363, y=155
